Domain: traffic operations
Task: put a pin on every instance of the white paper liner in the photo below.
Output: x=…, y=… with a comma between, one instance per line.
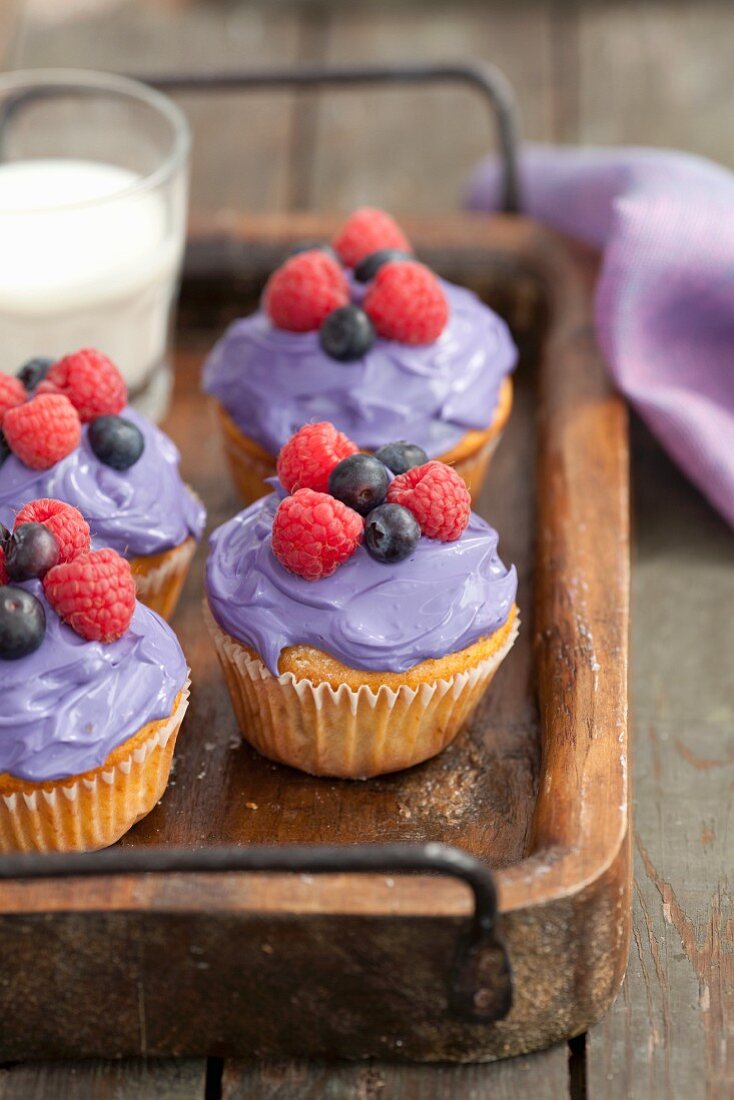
x=473, y=468
x=345, y=732
x=160, y=588
x=94, y=811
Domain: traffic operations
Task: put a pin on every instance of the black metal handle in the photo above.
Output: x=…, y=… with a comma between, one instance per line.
x=481, y=984
x=483, y=76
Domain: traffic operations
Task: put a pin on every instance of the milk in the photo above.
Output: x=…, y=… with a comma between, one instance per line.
x=88, y=259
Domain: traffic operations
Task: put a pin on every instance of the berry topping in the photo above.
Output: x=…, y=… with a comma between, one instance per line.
x=406, y=303
x=369, y=230
x=391, y=533
x=347, y=334
x=313, y=534
x=360, y=482
x=12, y=394
x=367, y=268
x=34, y=371
x=90, y=380
x=22, y=623
x=437, y=497
x=4, y=448
x=94, y=594
x=66, y=523
x=309, y=456
x=401, y=456
x=304, y=291
x=117, y=442
x=43, y=431
x=30, y=552
x=313, y=246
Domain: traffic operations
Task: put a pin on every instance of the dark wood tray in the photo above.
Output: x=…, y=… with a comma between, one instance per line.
x=356, y=966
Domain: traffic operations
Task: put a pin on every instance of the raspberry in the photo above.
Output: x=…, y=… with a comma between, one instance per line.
x=406, y=303
x=369, y=230
x=43, y=431
x=94, y=594
x=12, y=394
x=309, y=456
x=303, y=292
x=90, y=380
x=3, y=571
x=313, y=534
x=66, y=523
x=437, y=497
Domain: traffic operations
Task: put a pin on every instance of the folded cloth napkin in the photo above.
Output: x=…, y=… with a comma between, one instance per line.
x=665, y=297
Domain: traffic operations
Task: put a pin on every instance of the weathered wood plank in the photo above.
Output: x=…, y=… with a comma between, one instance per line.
x=242, y=145
x=410, y=150
x=652, y=72
x=671, y=1031
x=132, y=1079
x=542, y=1076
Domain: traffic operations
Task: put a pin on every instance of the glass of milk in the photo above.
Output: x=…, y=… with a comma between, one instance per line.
x=93, y=193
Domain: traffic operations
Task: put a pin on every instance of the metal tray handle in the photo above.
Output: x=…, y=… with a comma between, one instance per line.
x=481, y=982
x=480, y=75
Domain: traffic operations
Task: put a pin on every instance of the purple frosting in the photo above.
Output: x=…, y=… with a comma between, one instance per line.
x=145, y=509
x=69, y=704
x=272, y=382
x=368, y=615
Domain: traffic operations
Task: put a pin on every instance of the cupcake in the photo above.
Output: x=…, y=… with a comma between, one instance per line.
x=365, y=337
x=67, y=433
x=358, y=615
x=94, y=687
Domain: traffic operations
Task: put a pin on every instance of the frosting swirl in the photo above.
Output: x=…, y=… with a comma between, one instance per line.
x=66, y=706
x=271, y=382
x=145, y=509
x=368, y=615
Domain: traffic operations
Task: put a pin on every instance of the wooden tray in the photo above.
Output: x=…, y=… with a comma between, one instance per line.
x=356, y=966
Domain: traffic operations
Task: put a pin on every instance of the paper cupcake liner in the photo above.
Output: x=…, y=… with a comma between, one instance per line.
x=473, y=468
x=352, y=734
x=472, y=463
x=91, y=811
x=249, y=465
x=159, y=578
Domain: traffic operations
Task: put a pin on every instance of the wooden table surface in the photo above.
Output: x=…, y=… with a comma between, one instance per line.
x=655, y=73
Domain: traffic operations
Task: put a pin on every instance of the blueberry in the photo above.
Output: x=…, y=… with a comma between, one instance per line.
x=347, y=334
x=367, y=268
x=391, y=533
x=360, y=482
x=116, y=441
x=4, y=448
x=22, y=623
x=311, y=246
x=401, y=456
x=30, y=552
x=4, y=534
x=34, y=371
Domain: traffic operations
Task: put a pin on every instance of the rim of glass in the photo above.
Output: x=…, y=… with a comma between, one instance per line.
x=125, y=87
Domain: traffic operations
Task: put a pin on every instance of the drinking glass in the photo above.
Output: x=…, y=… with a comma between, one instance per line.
x=93, y=194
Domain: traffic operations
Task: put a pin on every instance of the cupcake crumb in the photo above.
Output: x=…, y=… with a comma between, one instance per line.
x=251, y=805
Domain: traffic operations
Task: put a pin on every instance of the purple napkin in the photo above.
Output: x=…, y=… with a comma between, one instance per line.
x=665, y=298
